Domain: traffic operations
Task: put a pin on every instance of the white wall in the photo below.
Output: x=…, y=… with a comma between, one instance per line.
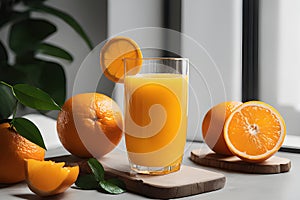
x=279, y=59
x=132, y=14
x=92, y=17
x=134, y=18
x=212, y=41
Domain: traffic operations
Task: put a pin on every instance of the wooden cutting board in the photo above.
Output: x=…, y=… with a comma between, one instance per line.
x=271, y=166
x=187, y=181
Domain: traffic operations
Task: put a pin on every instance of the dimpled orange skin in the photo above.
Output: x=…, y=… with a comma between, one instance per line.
x=94, y=116
x=13, y=150
x=213, y=125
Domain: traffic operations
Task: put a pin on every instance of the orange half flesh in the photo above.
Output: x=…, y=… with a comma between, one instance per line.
x=254, y=131
x=47, y=178
x=112, y=57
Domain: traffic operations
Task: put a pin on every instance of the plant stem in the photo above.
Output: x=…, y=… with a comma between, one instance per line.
x=6, y=84
x=14, y=113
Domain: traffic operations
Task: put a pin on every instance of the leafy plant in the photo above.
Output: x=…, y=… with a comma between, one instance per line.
x=97, y=181
x=26, y=39
x=34, y=98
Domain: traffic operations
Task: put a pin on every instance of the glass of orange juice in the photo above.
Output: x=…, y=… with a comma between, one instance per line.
x=156, y=101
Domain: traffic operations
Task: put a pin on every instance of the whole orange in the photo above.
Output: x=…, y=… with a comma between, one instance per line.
x=213, y=125
x=14, y=149
x=90, y=125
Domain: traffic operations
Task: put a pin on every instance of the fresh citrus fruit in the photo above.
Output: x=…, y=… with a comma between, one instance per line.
x=13, y=150
x=112, y=55
x=254, y=131
x=47, y=178
x=90, y=125
x=213, y=124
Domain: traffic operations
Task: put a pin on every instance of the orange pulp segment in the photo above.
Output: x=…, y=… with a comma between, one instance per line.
x=47, y=178
x=112, y=57
x=254, y=131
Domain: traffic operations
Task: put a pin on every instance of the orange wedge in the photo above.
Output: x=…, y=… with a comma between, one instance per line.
x=46, y=178
x=254, y=131
x=112, y=58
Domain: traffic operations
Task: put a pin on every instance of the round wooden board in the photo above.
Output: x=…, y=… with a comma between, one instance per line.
x=271, y=166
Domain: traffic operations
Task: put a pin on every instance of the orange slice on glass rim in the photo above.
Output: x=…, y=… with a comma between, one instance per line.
x=254, y=131
x=112, y=57
x=46, y=178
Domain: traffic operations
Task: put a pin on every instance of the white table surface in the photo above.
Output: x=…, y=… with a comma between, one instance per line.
x=238, y=185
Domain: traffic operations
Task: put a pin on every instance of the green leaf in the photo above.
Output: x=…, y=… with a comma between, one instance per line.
x=110, y=187
x=26, y=34
x=55, y=51
x=30, y=2
x=34, y=97
x=52, y=80
x=27, y=57
x=96, y=180
x=117, y=182
x=29, y=131
x=7, y=102
x=66, y=18
x=96, y=168
x=3, y=54
x=87, y=182
x=13, y=16
x=46, y=75
x=11, y=75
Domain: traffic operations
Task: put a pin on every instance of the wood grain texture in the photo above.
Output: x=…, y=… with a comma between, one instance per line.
x=185, y=182
x=271, y=166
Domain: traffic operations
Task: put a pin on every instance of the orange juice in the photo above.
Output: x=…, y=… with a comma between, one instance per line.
x=156, y=118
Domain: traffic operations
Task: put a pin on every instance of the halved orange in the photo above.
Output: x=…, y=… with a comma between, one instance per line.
x=112, y=57
x=46, y=178
x=254, y=131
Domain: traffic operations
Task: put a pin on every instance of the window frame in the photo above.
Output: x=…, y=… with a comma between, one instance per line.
x=250, y=81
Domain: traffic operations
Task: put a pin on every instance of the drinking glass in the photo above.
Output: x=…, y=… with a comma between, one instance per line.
x=156, y=101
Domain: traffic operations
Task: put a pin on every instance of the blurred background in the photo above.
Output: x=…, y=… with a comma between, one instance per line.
x=213, y=34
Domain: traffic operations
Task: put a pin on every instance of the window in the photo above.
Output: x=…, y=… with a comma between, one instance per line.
x=279, y=61
x=212, y=40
